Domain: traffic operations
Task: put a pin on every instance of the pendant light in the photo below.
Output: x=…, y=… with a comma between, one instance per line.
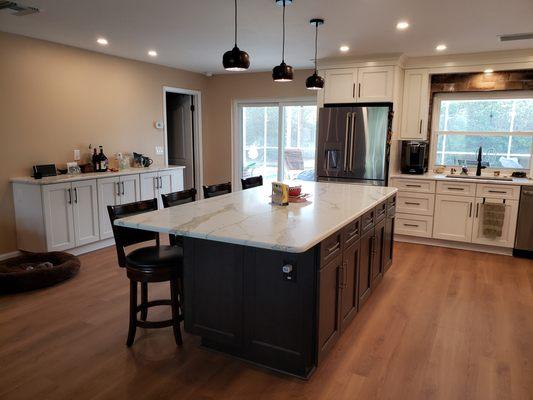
x=283, y=72
x=236, y=59
x=315, y=81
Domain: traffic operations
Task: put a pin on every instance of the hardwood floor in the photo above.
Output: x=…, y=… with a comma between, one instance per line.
x=443, y=324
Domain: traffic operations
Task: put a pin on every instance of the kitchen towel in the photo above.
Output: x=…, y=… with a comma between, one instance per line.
x=493, y=217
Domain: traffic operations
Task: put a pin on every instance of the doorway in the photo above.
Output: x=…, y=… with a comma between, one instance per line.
x=183, y=134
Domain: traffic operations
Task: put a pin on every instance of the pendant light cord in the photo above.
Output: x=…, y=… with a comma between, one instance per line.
x=316, y=44
x=235, y=23
x=283, y=45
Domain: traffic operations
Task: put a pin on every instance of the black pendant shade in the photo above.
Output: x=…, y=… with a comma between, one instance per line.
x=236, y=59
x=283, y=72
x=315, y=81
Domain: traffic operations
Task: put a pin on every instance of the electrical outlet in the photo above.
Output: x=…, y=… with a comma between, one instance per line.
x=159, y=150
x=77, y=155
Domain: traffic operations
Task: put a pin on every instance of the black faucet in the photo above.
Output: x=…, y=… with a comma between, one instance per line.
x=479, y=166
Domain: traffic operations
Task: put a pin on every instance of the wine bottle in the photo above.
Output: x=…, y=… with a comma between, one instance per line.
x=103, y=161
x=94, y=160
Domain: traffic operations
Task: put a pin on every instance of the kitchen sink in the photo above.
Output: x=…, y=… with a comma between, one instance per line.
x=488, y=178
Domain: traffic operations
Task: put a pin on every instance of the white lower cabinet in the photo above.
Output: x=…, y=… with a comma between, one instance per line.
x=506, y=239
x=154, y=184
x=453, y=218
x=70, y=214
x=114, y=191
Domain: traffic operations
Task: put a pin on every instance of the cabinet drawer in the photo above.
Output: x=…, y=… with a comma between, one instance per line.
x=413, y=225
x=416, y=203
x=391, y=201
x=498, y=191
x=381, y=211
x=330, y=248
x=351, y=233
x=414, y=185
x=458, y=188
x=367, y=221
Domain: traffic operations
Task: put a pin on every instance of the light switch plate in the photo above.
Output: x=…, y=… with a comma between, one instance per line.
x=159, y=150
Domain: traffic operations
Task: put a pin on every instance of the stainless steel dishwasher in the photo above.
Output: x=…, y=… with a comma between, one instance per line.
x=524, y=228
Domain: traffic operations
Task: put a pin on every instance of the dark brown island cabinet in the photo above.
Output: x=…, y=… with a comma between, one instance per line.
x=285, y=311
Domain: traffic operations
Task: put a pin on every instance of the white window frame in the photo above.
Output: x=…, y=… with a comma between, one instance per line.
x=439, y=97
x=237, y=134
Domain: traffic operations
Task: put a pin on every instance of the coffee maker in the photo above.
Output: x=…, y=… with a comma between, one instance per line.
x=414, y=157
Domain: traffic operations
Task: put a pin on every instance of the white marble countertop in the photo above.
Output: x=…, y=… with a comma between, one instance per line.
x=247, y=217
x=459, y=178
x=90, y=175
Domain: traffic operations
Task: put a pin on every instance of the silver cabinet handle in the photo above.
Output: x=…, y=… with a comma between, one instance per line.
x=69, y=196
x=498, y=191
x=359, y=91
x=76, y=195
x=156, y=183
x=122, y=188
x=420, y=127
x=412, y=225
x=118, y=189
x=408, y=185
x=455, y=188
x=477, y=210
x=160, y=183
x=353, y=90
x=411, y=203
x=470, y=212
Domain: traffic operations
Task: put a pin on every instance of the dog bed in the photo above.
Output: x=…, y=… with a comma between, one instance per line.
x=31, y=271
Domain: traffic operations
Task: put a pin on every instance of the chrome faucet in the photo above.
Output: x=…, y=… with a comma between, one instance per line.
x=479, y=158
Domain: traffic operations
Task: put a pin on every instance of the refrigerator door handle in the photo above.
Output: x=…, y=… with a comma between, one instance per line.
x=352, y=143
x=346, y=141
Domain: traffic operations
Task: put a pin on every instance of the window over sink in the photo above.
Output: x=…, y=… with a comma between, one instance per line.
x=499, y=122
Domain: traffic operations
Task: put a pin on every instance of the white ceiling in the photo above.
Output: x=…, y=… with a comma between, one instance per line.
x=194, y=34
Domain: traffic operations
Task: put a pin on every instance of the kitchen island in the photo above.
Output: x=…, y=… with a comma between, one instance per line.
x=277, y=285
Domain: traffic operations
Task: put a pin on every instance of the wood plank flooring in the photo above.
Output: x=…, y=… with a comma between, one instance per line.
x=443, y=324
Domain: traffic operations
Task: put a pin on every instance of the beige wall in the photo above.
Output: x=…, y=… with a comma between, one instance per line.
x=223, y=91
x=55, y=98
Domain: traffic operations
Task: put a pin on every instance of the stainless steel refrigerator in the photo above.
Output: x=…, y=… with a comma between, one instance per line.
x=352, y=143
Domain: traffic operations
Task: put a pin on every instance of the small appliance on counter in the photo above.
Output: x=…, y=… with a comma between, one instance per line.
x=141, y=161
x=414, y=157
x=41, y=171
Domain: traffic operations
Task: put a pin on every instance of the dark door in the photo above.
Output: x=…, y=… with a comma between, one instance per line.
x=377, y=262
x=365, y=266
x=333, y=136
x=388, y=241
x=328, y=306
x=349, y=293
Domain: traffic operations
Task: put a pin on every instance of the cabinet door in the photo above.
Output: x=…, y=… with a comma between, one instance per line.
x=58, y=219
x=365, y=266
x=328, y=307
x=377, y=261
x=388, y=242
x=482, y=235
x=108, y=195
x=349, y=293
x=375, y=84
x=340, y=85
x=85, y=211
x=129, y=189
x=453, y=218
x=415, y=105
x=149, y=185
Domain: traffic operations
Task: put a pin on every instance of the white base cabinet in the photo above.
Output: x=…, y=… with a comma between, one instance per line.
x=509, y=223
x=73, y=214
x=453, y=218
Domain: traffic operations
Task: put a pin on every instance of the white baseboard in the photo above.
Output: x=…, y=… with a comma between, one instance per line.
x=5, y=256
x=75, y=251
x=454, y=245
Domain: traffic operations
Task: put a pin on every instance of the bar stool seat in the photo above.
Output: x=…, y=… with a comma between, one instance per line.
x=155, y=257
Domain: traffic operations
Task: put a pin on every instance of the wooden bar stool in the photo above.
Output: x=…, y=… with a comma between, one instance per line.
x=175, y=199
x=217, y=190
x=159, y=263
x=251, y=182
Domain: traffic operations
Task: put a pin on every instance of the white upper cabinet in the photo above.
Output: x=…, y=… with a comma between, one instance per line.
x=58, y=217
x=415, y=106
x=85, y=211
x=365, y=84
x=340, y=85
x=375, y=84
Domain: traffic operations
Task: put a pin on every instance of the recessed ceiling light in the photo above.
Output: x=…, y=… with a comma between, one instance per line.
x=344, y=48
x=402, y=25
x=152, y=53
x=102, y=41
x=488, y=71
x=441, y=47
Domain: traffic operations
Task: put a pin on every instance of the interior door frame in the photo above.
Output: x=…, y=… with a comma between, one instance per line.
x=197, y=133
x=236, y=130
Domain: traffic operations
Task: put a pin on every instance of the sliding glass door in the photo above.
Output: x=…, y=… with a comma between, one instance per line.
x=276, y=140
